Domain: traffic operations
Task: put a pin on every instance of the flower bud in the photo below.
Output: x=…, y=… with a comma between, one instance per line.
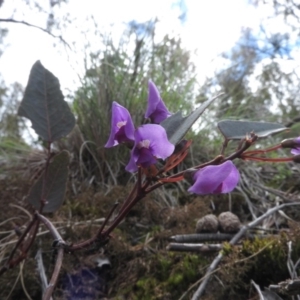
x=296, y=159
x=156, y=110
x=289, y=143
x=292, y=143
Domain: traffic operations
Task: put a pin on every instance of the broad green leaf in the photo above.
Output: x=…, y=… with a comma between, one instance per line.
x=44, y=105
x=177, y=126
x=236, y=130
x=52, y=188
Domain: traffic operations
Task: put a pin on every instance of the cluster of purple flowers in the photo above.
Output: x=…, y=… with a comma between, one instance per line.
x=150, y=142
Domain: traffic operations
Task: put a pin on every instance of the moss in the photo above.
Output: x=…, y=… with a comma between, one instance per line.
x=227, y=249
x=273, y=250
x=167, y=276
x=175, y=279
x=144, y=287
x=163, y=268
x=261, y=260
x=156, y=229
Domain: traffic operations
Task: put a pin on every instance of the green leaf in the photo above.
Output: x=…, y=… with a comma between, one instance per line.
x=177, y=126
x=52, y=188
x=43, y=104
x=236, y=130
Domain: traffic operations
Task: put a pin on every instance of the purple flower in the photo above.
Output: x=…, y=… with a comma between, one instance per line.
x=218, y=179
x=151, y=142
x=296, y=148
x=156, y=110
x=122, y=128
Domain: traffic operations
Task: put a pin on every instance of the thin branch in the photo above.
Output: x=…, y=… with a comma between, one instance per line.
x=14, y=285
x=29, y=242
x=10, y=263
x=290, y=287
x=22, y=209
x=233, y=241
x=204, y=248
x=50, y=288
x=203, y=237
x=229, y=264
x=37, y=27
x=257, y=287
x=107, y=219
x=41, y=269
x=51, y=228
x=22, y=281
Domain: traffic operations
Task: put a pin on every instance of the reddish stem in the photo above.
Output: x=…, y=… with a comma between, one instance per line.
x=141, y=193
x=10, y=263
x=125, y=203
x=254, y=152
x=107, y=219
x=32, y=237
x=43, y=200
x=282, y=159
x=169, y=180
x=248, y=143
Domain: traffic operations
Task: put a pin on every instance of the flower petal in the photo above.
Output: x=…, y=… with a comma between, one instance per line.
x=145, y=158
x=159, y=144
x=151, y=142
x=156, y=110
x=215, y=179
x=296, y=150
x=231, y=181
x=131, y=166
x=122, y=128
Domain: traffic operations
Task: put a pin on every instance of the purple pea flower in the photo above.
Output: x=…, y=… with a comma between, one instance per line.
x=296, y=149
x=218, y=179
x=156, y=110
x=151, y=142
x=122, y=128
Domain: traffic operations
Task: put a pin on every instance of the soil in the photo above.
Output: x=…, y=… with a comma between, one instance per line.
x=135, y=263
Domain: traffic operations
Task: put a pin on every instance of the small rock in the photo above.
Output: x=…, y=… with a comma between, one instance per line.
x=207, y=224
x=229, y=222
